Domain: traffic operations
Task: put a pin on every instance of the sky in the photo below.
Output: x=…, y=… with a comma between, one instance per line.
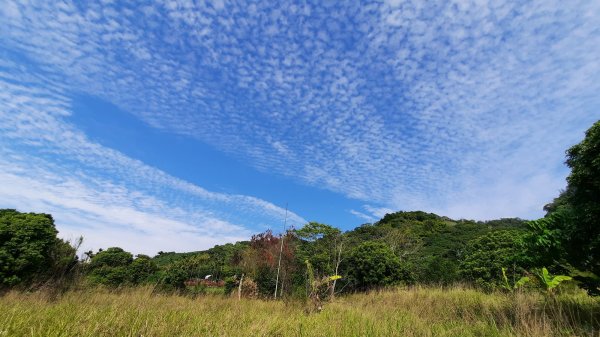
x=178, y=125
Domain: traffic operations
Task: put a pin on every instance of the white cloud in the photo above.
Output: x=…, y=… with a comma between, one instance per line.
x=10, y=10
x=362, y=216
x=411, y=104
x=379, y=212
x=47, y=165
x=102, y=222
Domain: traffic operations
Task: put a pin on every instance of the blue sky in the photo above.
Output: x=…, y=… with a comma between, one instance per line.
x=177, y=125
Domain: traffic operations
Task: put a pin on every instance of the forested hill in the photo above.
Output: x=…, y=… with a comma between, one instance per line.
x=430, y=246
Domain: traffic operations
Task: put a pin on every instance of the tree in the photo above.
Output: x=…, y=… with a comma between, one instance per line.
x=373, y=264
x=584, y=197
x=318, y=245
x=110, y=267
x=141, y=269
x=436, y=269
x=547, y=236
x=64, y=263
x=180, y=271
x=487, y=255
x=111, y=257
x=569, y=235
x=260, y=262
x=323, y=247
x=115, y=267
x=403, y=242
x=27, y=241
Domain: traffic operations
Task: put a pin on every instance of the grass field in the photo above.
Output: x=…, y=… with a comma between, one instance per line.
x=394, y=312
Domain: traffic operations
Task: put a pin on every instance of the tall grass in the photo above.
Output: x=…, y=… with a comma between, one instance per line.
x=394, y=312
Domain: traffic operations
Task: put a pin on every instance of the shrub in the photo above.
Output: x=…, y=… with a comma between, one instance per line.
x=231, y=284
x=373, y=264
x=436, y=270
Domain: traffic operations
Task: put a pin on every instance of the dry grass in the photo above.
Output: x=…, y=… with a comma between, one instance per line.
x=395, y=312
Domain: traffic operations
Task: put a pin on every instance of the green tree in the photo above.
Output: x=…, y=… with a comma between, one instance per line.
x=321, y=245
x=141, y=269
x=177, y=273
x=583, y=236
x=64, y=265
x=568, y=237
x=485, y=257
x=110, y=267
x=373, y=264
x=27, y=241
x=547, y=236
x=324, y=248
x=437, y=270
x=111, y=257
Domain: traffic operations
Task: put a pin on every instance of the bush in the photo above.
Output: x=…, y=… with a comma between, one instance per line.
x=231, y=284
x=196, y=290
x=109, y=276
x=437, y=270
x=265, y=281
x=373, y=264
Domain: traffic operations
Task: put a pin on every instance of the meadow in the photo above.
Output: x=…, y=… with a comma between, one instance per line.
x=402, y=311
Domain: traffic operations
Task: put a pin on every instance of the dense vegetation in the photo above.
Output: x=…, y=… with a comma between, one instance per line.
x=318, y=261
x=31, y=252
x=401, y=248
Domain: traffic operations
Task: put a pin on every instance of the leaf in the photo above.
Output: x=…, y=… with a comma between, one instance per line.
x=334, y=277
x=506, y=285
x=561, y=278
x=546, y=276
x=521, y=282
x=556, y=280
x=552, y=282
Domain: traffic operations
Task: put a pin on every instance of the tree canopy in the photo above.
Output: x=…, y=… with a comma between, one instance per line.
x=374, y=264
x=584, y=198
x=29, y=247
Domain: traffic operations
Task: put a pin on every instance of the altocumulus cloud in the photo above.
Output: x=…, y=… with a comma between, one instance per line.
x=46, y=164
x=459, y=107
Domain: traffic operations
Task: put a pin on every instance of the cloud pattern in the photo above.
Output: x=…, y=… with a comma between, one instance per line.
x=46, y=164
x=459, y=107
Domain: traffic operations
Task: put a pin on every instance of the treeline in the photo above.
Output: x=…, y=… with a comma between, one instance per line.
x=319, y=261
x=403, y=247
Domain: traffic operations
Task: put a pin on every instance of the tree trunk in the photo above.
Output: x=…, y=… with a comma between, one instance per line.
x=240, y=287
x=337, y=266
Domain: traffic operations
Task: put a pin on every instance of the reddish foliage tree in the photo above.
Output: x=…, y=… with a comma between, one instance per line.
x=261, y=259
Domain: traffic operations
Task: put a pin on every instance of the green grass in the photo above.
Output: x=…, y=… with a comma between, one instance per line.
x=394, y=312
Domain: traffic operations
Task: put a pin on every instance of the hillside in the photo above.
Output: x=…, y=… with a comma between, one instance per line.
x=429, y=245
